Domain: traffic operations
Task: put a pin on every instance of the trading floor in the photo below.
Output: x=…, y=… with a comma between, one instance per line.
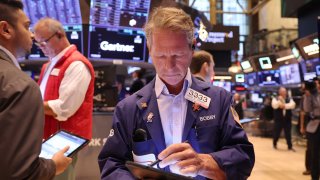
x=279, y=164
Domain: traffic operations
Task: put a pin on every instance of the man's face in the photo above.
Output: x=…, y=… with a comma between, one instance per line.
x=46, y=40
x=171, y=55
x=283, y=92
x=23, y=37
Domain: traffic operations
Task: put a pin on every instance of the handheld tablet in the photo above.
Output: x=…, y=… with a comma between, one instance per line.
x=147, y=172
x=60, y=140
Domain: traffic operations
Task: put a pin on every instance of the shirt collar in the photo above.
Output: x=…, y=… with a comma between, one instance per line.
x=58, y=56
x=11, y=56
x=161, y=88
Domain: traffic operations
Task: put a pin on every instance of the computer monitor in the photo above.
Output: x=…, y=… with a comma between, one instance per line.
x=116, y=30
x=251, y=79
x=290, y=74
x=66, y=11
x=239, y=78
x=269, y=78
x=246, y=66
x=310, y=69
x=267, y=62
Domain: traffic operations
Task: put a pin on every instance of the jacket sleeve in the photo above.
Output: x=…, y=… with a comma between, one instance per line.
x=22, y=120
x=236, y=155
x=116, y=150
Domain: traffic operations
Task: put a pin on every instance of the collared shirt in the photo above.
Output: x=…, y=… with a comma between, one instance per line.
x=173, y=110
x=72, y=89
x=13, y=59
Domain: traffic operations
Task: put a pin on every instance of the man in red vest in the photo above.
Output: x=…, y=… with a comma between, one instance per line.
x=66, y=83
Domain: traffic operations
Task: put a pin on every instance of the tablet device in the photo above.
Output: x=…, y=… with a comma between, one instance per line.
x=147, y=172
x=60, y=140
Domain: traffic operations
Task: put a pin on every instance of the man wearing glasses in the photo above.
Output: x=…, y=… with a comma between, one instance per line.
x=66, y=84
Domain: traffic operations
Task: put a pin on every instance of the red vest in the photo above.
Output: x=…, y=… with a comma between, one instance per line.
x=79, y=123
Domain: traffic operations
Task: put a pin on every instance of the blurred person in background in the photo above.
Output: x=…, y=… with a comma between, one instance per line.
x=202, y=66
x=282, y=108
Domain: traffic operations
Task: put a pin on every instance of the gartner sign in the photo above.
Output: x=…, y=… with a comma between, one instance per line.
x=220, y=38
x=106, y=46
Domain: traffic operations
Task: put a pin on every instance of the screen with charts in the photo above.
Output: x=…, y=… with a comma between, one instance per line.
x=116, y=29
x=267, y=78
x=290, y=74
x=66, y=11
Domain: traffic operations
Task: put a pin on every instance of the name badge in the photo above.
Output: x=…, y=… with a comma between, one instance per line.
x=196, y=97
x=55, y=72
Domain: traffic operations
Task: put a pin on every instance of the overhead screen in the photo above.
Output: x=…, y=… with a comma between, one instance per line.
x=66, y=11
x=290, y=74
x=269, y=78
x=116, y=29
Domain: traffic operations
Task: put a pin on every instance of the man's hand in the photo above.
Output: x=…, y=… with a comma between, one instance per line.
x=183, y=160
x=61, y=161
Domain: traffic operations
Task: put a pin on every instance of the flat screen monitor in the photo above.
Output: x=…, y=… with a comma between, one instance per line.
x=308, y=46
x=251, y=79
x=310, y=68
x=224, y=84
x=116, y=30
x=65, y=11
x=116, y=43
x=263, y=63
x=246, y=66
x=239, y=78
x=74, y=35
x=290, y=74
x=269, y=78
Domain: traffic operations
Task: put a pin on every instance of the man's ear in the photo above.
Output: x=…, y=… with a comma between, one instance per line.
x=5, y=30
x=205, y=67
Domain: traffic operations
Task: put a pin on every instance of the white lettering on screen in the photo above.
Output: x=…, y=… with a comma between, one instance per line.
x=116, y=47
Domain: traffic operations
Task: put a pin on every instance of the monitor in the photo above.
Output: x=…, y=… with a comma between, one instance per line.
x=246, y=66
x=66, y=11
x=308, y=46
x=267, y=62
x=251, y=79
x=116, y=30
x=290, y=74
x=269, y=78
x=239, y=78
x=224, y=84
x=310, y=68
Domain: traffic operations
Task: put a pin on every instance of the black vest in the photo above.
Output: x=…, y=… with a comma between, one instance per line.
x=278, y=113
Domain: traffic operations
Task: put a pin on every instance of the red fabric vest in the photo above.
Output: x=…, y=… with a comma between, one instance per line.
x=79, y=123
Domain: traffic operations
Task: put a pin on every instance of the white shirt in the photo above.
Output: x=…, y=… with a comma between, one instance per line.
x=14, y=60
x=276, y=103
x=173, y=110
x=72, y=90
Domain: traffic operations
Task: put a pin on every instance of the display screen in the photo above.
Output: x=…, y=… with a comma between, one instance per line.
x=59, y=141
x=239, y=78
x=224, y=84
x=263, y=63
x=251, y=79
x=290, y=74
x=116, y=29
x=267, y=78
x=255, y=97
x=246, y=66
x=310, y=69
x=66, y=11
x=308, y=46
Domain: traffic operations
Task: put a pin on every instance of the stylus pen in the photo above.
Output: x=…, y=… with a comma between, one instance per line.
x=159, y=160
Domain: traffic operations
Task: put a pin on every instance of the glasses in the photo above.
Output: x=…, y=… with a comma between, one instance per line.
x=44, y=43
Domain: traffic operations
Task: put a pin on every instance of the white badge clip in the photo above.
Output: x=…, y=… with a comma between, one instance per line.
x=55, y=72
x=198, y=98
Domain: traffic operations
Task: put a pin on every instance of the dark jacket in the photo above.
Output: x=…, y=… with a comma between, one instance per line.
x=21, y=125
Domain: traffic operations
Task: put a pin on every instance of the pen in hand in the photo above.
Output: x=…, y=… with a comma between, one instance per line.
x=159, y=160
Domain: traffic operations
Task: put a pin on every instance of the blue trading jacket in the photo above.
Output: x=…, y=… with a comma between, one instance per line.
x=213, y=131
